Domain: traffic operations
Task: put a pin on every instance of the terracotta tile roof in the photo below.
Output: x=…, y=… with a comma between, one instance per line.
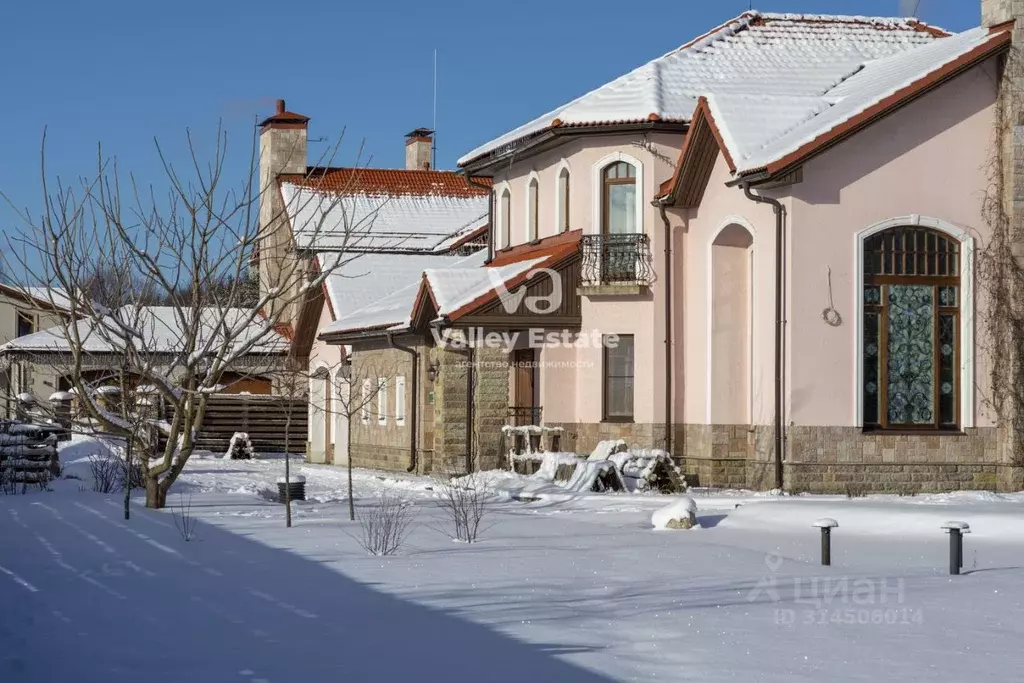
x=381, y=181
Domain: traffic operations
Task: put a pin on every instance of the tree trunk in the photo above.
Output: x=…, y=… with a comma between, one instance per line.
x=351, y=501
x=156, y=495
x=287, y=467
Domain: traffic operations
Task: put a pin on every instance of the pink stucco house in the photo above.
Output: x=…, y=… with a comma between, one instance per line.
x=777, y=225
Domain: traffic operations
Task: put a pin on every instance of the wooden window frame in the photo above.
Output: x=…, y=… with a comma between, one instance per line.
x=533, y=210
x=606, y=185
x=605, y=377
x=382, y=401
x=941, y=269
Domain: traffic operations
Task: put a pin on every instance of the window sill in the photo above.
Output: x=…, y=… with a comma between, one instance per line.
x=875, y=431
x=617, y=420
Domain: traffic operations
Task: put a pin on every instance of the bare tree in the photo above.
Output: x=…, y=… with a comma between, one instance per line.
x=169, y=249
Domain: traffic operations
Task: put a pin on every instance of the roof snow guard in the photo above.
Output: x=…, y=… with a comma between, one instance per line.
x=756, y=54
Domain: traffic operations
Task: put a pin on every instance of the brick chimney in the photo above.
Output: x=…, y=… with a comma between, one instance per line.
x=418, y=149
x=283, y=147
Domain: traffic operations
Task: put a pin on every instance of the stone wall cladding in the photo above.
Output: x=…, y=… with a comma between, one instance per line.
x=843, y=460
x=849, y=460
x=373, y=445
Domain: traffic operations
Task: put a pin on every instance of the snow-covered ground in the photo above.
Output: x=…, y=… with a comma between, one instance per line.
x=560, y=588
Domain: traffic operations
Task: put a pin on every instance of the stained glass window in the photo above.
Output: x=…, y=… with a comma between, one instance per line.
x=910, y=339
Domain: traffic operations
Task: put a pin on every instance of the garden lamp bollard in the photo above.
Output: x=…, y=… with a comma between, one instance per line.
x=295, y=488
x=956, y=530
x=826, y=524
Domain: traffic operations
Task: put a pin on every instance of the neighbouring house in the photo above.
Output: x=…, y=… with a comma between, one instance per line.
x=777, y=229
x=376, y=231
x=23, y=311
x=156, y=334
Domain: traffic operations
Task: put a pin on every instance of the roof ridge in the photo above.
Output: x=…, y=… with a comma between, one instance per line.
x=907, y=23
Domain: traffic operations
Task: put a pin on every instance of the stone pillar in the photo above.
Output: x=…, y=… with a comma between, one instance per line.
x=1007, y=244
x=60, y=403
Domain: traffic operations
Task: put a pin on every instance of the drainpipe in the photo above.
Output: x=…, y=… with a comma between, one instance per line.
x=490, y=213
x=669, y=426
x=414, y=413
x=780, y=218
x=470, y=369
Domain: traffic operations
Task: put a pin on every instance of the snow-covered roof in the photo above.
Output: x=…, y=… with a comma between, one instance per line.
x=44, y=296
x=394, y=310
x=787, y=56
x=459, y=288
x=453, y=288
x=156, y=329
x=374, y=209
x=759, y=131
x=362, y=279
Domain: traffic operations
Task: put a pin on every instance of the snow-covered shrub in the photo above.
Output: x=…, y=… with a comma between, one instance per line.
x=107, y=473
x=465, y=503
x=240, y=447
x=385, y=526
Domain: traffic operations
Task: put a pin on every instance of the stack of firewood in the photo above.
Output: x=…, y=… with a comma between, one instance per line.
x=28, y=454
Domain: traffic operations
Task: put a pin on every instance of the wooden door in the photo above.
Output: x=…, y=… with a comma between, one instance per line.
x=525, y=381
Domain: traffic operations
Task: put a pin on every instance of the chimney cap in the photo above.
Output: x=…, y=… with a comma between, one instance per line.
x=282, y=115
x=420, y=133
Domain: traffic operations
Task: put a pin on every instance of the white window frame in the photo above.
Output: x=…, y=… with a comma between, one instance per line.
x=531, y=218
x=563, y=194
x=400, y=400
x=364, y=410
x=382, y=401
x=503, y=195
x=966, y=417
x=597, y=187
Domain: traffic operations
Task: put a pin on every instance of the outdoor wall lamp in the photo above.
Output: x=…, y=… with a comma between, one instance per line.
x=432, y=372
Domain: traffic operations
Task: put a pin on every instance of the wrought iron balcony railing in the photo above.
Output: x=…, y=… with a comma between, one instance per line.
x=520, y=416
x=623, y=259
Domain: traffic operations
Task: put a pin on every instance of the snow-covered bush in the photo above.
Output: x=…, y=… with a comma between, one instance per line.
x=240, y=447
x=465, y=503
x=385, y=526
x=650, y=470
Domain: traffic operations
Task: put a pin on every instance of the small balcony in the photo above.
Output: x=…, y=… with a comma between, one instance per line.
x=616, y=265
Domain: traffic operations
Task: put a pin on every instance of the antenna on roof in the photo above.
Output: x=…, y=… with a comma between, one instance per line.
x=433, y=146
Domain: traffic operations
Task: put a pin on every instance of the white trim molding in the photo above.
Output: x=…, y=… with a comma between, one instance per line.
x=709, y=311
x=534, y=177
x=597, y=190
x=560, y=197
x=966, y=309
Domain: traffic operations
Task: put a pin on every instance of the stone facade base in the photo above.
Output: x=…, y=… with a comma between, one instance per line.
x=843, y=460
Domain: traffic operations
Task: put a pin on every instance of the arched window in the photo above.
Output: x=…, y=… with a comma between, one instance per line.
x=532, y=209
x=911, y=326
x=562, y=224
x=618, y=182
x=505, y=220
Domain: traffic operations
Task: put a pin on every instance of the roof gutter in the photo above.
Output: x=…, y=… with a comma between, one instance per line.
x=414, y=412
x=780, y=221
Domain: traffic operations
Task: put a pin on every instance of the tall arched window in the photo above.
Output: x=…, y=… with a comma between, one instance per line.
x=911, y=349
x=532, y=209
x=505, y=219
x=563, y=201
x=618, y=199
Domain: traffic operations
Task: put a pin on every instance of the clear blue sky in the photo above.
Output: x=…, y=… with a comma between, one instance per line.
x=122, y=72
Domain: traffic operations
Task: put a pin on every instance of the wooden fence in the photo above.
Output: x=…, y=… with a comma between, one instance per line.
x=262, y=417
